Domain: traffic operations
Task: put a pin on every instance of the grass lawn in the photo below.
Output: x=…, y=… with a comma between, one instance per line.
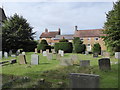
x=54, y=75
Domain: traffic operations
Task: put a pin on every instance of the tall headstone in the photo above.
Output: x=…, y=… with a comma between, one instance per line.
x=84, y=63
x=35, y=50
x=59, y=51
x=34, y=59
x=0, y=54
x=62, y=53
x=5, y=54
x=23, y=53
x=66, y=62
x=104, y=64
x=117, y=55
x=49, y=56
x=22, y=59
x=78, y=80
x=44, y=53
x=41, y=51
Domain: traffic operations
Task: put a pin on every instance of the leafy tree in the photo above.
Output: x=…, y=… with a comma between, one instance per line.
x=77, y=40
x=16, y=31
x=96, y=48
x=112, y=28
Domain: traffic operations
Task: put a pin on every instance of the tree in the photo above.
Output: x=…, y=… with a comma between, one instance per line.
x=77, y=40
x=16, y=31
x=96, y=48
x=112, y=28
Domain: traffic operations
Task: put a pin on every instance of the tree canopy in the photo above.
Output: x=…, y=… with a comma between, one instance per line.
x=112, y=28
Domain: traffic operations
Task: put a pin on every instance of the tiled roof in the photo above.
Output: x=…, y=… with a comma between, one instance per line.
x=49, y=34
x=2, y=15
x=88, y=33
x=64, y=36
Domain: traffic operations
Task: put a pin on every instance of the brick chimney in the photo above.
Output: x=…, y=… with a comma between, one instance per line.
x=46, y=30
x=59, y=30
x=76, y=28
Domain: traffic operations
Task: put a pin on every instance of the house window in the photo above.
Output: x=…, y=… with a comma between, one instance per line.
x=89, y=38
x=96, y=38
x=81, y=39
x=88, y=44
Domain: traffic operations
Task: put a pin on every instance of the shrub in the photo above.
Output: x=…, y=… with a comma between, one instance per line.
x=79, y=48
x=65, y=46
x=63, y=40
x=96, y=48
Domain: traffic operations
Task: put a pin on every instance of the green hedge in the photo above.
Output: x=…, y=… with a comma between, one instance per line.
x=67, y=47
x=79, y=48
x=96, y=48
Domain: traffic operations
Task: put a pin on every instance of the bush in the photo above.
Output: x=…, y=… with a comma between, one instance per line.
x=79, y=48
x=96, y=48
x=63, y=40
x=65, y=46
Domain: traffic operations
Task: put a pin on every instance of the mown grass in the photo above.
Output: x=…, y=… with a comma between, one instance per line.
x=14, y=75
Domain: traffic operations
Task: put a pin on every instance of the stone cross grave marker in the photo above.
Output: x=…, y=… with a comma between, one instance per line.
x=117, y=55
x=78, y=80
x=22, y=59
x=49, y=56
x=36, y=50
x=84, y=63
x=74, y=59
x=5, y=54
x=0, y=54
x=44, y=53
x=34, y=59
x=104, y=64
x=23, y=53
x=66, y=61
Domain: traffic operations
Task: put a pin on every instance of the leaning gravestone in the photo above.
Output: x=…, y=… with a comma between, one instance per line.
x=23, y=53
x=78, y=80
x=62, y=53
x=66, y=62
x=104, y=64
x=49, y=56
x=95, y=54
x=0, y=54
x=74, y=59
x=84, y=63
x=5, y=54
x=44, y=53
x=22, y=59
x=117, y=55
x=34, y=59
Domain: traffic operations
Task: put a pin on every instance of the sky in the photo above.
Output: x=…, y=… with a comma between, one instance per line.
x=63, y=15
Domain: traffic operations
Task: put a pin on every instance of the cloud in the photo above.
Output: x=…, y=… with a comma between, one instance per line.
x=64, y=15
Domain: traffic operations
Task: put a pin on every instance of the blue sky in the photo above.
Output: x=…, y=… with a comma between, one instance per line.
x=64, y=15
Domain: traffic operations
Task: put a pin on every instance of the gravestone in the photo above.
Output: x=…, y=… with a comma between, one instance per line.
x=23, y=53
x=84, y=63
x=106, y=54
x=0, y=54
x=41, y=51
x=10, y=52
x=17, y=52
x=78, y=80
x=58, y=56
x=66, y=62
x=62, y=53
x=53, y=51
x=22, y=59
x=44, y=53
x=35, y=50
x=59, y=52
x=47, y=51
x=86, y=52
x=95, y=54
x=13, y=61
x=34, y=59
x=117, y=55
x=74, y=59
x=13, y=55
x=5, y=54
x=104, y=64
x=49, y=56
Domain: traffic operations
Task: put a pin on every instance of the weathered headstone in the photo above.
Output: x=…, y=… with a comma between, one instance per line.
x=41, y=51
x=78, y=80
x=10, y=52
x=95, y=54
x=58, y=56
x=53, y=51
x=84, y=63
x=0, y=54
x=66, y=62
x=35, y=50
x=62, y=53
x=22, y=59
x=106, y=54
x=74, y=59
x=23, y=53
x=59, y=51
x=117, y=55
x=34, y=59
x=104, y=64
x=49, y=56
x=44, y=53
x=5, y=54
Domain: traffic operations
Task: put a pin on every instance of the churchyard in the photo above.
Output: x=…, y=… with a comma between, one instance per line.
x=59, y=71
